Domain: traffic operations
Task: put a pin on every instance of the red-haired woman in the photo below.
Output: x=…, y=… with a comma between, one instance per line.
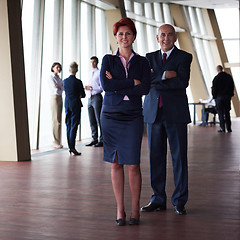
x=125, y=78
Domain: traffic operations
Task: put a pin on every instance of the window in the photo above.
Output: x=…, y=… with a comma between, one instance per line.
x=57, y=31
x=230, y=35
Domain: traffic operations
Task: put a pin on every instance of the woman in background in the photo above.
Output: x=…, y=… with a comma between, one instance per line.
x=125, y=78
x=56, y=89
x=74, y=91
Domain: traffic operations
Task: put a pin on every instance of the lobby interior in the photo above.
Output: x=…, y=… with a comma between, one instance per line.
x=48, y=194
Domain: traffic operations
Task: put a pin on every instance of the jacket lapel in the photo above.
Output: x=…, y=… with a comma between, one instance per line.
x=172, y=55
x=158, y=57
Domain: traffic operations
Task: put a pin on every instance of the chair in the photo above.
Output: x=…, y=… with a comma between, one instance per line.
x=213, y=111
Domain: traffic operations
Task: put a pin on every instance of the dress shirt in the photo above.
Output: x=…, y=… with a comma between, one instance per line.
x=168, y=54
x=53, y=81
x=126, y=67
x=94, y=82
x=209, y=101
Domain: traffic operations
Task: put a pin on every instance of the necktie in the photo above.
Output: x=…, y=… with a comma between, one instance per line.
x=160, y=97
x=164, y=58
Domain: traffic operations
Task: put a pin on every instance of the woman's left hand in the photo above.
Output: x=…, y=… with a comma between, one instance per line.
x=108, y=75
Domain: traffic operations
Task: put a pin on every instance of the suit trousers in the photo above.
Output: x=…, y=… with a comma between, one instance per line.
x=94, y=111
x=223, y=104
x=72, y=122
x=56, y=108
x=176, y=133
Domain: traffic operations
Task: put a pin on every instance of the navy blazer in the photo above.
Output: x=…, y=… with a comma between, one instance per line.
x=119, y=86
x=173, y=91
x=73, y=90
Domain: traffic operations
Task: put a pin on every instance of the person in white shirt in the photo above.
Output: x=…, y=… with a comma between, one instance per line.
x=94, y=90
x=56, y=89
x=211, y=108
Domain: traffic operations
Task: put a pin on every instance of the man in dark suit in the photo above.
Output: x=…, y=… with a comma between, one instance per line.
x=167, y=114
x=222, y=91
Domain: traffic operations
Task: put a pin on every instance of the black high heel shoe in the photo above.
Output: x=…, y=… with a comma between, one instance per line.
x=75, y=152
x=121, y=221
x=134, y=221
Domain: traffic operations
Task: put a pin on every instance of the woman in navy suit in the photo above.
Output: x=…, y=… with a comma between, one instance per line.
x=74, y=91
x=125, y=78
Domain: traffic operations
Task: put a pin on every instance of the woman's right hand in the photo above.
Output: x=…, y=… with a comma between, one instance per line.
x=136, y=82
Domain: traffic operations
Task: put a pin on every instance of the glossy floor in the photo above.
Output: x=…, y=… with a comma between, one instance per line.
x=58, y=196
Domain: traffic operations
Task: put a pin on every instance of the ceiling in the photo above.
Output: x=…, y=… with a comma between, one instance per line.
x=210, y=4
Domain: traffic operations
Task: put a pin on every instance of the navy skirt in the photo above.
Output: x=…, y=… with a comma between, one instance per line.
x=122, y=130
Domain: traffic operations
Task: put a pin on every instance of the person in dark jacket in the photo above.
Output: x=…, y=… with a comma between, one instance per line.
x=166, y=113
x=222, y=91
x=74, y=91
x=125, y=78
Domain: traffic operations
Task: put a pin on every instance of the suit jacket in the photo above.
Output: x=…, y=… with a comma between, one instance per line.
x=222, y=85
x=119, y=86
x=173, y=90
x=73, y=90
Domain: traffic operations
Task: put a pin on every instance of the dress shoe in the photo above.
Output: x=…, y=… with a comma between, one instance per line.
x=121, y=221
x=180, y=210
x=75, y=152
x=99, y=144
x=229, y=130
x=134, y=221
x=93, y=142
x=151, y=207
x=221, y=131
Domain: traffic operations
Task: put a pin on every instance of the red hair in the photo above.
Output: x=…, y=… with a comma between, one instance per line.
x=124, y=22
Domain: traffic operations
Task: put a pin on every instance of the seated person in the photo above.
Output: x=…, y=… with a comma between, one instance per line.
x=211, y=108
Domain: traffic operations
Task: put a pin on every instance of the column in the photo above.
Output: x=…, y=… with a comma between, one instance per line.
x=14, y=134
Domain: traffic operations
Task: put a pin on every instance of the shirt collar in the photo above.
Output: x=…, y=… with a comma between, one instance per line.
x=94, y=69
x=117, y=52
x=168, y=52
